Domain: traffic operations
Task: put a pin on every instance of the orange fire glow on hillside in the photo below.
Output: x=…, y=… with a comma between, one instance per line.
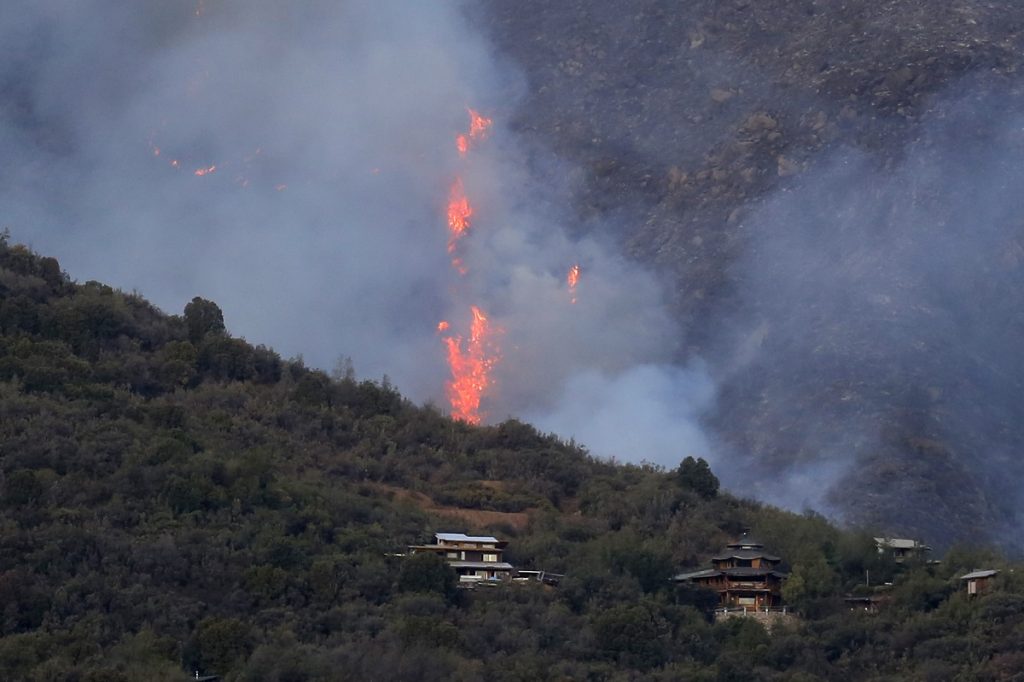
x=573, y=279
x=200, y=172
x=471, y=367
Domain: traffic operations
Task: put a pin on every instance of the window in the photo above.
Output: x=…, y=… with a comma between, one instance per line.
x=452, y=555
x=490, y=558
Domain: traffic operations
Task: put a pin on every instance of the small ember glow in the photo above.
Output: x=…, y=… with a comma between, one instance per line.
x=471, y=367
x=443, y=326
x=200, y=172
x=573, y=279
x=478, y=127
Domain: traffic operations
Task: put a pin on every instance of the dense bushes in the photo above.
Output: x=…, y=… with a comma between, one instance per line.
x=173, y=499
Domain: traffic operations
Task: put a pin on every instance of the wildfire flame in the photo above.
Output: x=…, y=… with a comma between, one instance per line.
x=573, y=279
x=470, y=367
x=471, y=362
x=478, y=127
x=459, y=213
x=200, y=172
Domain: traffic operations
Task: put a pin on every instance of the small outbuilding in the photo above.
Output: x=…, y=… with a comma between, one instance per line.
x=978, y=580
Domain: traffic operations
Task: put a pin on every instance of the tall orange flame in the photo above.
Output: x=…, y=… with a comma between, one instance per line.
x=471, y=362
x=573, y=279
x=470, y=367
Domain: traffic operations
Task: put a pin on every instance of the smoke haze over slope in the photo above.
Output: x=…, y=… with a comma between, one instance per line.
x=292, y=162
x=835, y=199
x=885, y=304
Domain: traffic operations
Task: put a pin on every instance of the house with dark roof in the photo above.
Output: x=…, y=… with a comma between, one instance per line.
x=743, y=575
x=475, y=558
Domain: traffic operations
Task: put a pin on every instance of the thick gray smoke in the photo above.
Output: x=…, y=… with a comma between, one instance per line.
x=878, y=346
x=291, y=161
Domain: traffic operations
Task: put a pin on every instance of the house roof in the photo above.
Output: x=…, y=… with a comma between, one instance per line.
x=745, y=542
x=490, y=565
x=706, y=573
x=745, y=554
x=461, y=537
x=988, y=573
x=901, y=543
x=744, y=572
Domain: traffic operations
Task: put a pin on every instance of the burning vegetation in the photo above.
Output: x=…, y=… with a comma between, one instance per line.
x=471, y=363
x=471, y=360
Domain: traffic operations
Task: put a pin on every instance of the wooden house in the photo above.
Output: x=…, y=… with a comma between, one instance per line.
x=743, y=575
x=978, y=580
x=475, y=558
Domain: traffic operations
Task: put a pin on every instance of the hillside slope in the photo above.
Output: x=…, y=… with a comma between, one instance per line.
x=176, y=500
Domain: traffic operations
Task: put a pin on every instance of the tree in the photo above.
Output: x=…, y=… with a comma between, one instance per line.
x=203, y=317
x=22, y=488
x=634, y=635
x=222, y=642
x=695, y=474
x=428, y=573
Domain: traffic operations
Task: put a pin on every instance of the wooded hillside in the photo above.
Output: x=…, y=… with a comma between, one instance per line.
x=176, y=499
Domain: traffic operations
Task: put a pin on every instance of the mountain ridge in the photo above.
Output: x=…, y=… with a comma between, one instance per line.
x=815, y=185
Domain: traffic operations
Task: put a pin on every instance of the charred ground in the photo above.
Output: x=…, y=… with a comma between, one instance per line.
x=861, y=321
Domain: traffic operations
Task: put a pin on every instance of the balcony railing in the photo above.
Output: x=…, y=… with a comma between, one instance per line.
x=754, y=609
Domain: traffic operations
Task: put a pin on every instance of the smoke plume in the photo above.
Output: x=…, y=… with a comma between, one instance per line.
x=292, y=161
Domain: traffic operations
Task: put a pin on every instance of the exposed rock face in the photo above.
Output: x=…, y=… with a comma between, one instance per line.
x=831, y=192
